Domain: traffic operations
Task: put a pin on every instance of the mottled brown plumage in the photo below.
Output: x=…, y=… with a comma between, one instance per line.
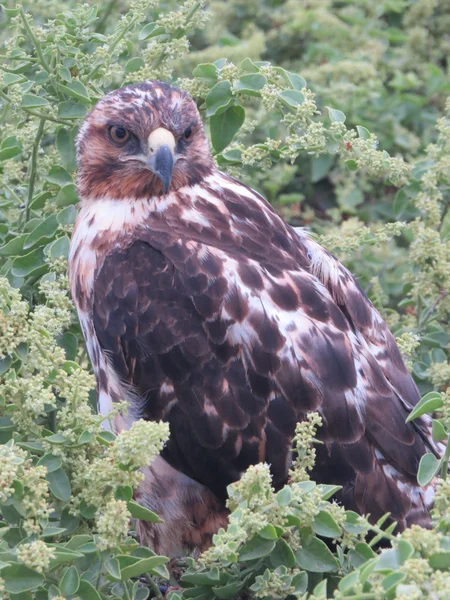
x=203, y=308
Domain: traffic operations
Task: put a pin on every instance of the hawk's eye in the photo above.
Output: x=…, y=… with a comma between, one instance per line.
x=119, y=135
x=188, y=132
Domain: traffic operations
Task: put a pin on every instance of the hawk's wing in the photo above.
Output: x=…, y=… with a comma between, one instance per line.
x=233, y=351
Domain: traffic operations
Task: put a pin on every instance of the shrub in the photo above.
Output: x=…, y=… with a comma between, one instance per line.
x=66, y=484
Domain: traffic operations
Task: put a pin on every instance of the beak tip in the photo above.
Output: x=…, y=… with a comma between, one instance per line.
x=162, y=166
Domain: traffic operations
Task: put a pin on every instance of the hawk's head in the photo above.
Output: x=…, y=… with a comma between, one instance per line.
x=141, y=141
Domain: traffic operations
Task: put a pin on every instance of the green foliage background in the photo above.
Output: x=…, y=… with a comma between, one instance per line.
x=338, y=113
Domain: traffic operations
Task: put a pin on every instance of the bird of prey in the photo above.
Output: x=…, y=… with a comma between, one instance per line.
x=203, y=308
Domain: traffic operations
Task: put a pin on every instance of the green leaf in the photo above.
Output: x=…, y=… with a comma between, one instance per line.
x=251, y=84
x=69, y=342
x=257, y=547
x=390, y=560
x=248, y=66
x=5, y=363
x=29, y=264
x=10, y=152
x=43, y=233
x=124, y=492
x=59, y=176
x=150, y=30
x=14, y=246
x=300, y=583
x=113, y=567
x=440, y=560
x=229, y=591
x=33, y=101
x=78, y=540
x=284, y=496
x=429, y=403
x=295, y=81
x=12, y=78
x=71, y=110
x=19, y=578
x=64, y=555
x=219, y=98
x=352, y=165
x=89, y=548
x=58, y=248
x=349, y=581
x=320, y=167
x=70, y=581
x=292, y=98
x=316, y=557
x=282, y=555
x=428, y=468
x=143, y=566
x=67, y=215
x=59, y=484
x=106, y=438
x=269, y=532
x=50, y=461
x=67, y=195
x=75, y=90
x=325, y=525
x=134, y=64
x=65, y=144
x=363, y=133
x=50, y=532
x=438, y=432
x=401, y=201
x=391, y=581
x=57, y=438
x=140, y=512
x=10, y=12
x=336, y=116
x=64, y=73
x=53, y=592
x=225, y=125
x=88, y=511
x=207, y=72
x=86, y=591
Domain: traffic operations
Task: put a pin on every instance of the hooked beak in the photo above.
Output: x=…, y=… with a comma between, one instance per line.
x=161, y=155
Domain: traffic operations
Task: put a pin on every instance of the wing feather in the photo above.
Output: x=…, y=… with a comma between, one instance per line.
x=233, y=336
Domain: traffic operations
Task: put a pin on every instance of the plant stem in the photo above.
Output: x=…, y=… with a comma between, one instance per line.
x=46, y=117
x=385, y=534
x=152, y=583
x=34, y=40
x=13, y=193
x=33, y=168
x=101, y=24
x=111, y=48
x=26, y=58
x=127, y=593
x=192, y=12
x=444, y=468
x=5, y=97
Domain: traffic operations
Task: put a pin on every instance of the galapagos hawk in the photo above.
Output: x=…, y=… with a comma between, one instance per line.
x=202, y=307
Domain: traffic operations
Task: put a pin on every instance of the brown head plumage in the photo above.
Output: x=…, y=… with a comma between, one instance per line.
x=119, y=142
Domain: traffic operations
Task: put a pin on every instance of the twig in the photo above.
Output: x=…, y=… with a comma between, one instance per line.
x=5, y=97
x=46, y=117
x=34, y=40
x=33, y=168
x=154, y=586
x=445, y=460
